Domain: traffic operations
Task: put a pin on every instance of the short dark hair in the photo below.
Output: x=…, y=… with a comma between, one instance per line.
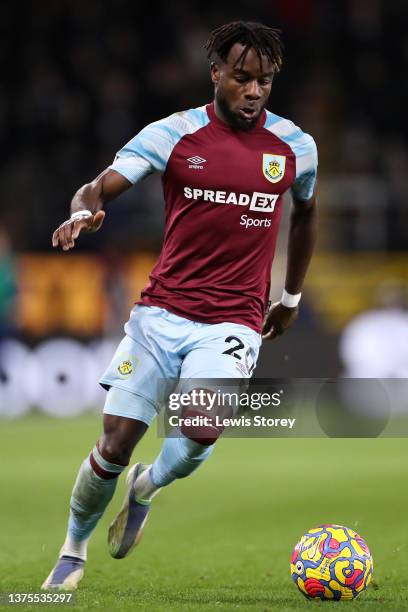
x=253, y=35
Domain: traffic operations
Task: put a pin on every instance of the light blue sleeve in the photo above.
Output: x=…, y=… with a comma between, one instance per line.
x=150, y=150
x=306, y=168
x=305, y=151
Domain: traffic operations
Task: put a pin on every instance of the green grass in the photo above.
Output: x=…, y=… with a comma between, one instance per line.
x=219, y=540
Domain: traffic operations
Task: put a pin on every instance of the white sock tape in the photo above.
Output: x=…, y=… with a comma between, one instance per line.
x=290, y=300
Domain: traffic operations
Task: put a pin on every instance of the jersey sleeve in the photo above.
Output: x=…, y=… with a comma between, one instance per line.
x=147, y=152
x=150, y=150
x=306, y=168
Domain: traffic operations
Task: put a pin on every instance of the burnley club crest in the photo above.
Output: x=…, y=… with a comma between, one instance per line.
x=273, y=167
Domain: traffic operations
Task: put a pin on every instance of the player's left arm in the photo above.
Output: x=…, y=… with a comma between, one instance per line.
x=302, y=239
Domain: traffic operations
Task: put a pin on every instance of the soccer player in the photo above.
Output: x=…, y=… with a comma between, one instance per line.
x=225, y=167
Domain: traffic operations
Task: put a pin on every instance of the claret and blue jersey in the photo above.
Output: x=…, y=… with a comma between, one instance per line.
x=223, y=195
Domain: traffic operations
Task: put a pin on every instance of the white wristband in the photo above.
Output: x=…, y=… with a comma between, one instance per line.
x=81, y=214
x=290, y=300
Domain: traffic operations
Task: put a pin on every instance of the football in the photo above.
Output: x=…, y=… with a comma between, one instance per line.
x=331, y=562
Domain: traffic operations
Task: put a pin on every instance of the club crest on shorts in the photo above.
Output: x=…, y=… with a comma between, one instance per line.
x=273, y=167
x=125, y=368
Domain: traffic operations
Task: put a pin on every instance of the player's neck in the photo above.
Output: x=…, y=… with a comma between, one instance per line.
x=219, y=112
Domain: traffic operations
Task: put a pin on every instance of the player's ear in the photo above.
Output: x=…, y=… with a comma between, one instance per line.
x=215, y=73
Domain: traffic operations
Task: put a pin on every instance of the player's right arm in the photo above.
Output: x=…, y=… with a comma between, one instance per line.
x=147, y=152
x=86, y=207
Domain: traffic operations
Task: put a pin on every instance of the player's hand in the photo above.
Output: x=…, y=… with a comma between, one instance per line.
x=66, y=234
x=278, y=319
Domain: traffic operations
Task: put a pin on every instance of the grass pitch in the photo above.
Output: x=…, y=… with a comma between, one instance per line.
x=219, y=540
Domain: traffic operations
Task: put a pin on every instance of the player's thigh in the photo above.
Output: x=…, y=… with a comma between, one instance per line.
x=221, y=360
x=137, y=382
x=221, y=351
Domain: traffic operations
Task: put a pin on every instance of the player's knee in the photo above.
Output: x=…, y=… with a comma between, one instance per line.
x=199, y=426
x=115, y=450
x=119, y=438
x=204, y=424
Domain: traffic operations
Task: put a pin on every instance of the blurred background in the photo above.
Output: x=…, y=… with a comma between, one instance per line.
x=80, y=79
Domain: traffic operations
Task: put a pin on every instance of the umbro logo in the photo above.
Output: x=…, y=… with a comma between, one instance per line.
x=196, y=162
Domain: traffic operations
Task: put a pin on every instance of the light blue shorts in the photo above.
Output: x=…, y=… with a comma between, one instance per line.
x=160, y=348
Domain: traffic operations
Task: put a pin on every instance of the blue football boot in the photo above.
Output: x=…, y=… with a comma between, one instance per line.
x=127, y=528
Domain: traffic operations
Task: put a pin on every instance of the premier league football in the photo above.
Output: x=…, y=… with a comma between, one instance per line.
x=331, y=562
x=203, y=305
